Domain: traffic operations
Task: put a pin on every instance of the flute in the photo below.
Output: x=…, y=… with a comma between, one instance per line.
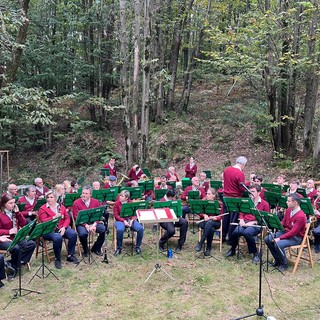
x=220, y=215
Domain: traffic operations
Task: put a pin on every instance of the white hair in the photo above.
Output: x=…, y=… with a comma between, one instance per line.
x=241, y=160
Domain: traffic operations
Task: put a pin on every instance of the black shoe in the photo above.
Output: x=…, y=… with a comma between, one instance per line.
x=72, y=259
x=207, y=253
x=117, y=252
x=283, y=267
x=97, y=252
x=57, y=264
x=1, y=284
x=230, y=253
x=198, y=247
x=138, y=250
x=275, y=264
x=9, y=268
x=85, y=254
x=178, y=248
x=256, y=258
x=161, y=247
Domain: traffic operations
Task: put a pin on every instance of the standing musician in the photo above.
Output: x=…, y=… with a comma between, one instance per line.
x=248, y=225
x=129, y=222
x=316, y=230
x=84, y=203
x=30, y=200
x=294, y=223
x=194, y=187
x=40, y=188
x=191, y=168
x=170, y=227
x=203, y=183
x=233, y=176
x=171, y=174
x=111, y=166
x=209, y=223
x=52, y=210
x=11, y=220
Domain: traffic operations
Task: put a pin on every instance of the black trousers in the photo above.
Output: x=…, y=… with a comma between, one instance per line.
x=170, y=231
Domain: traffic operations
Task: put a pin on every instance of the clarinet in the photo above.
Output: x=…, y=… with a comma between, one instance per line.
x=14, y=217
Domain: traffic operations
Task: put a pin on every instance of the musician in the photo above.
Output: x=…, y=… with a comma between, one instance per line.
x=258, y=180
x=13, y=190
x=203, y=183
x=3, y=266
x=191, y=168
x=60, y=192
x=294, y=223
x=129, y=222
x=84, y=203
x=209, y=223
x=170, y=226
x=171, y=174
x=30, y=200
x=74, y=186
x=232, y=177
x=112, y=167
x=135, y=173
x=67, y=186
x=40, y=188
x=248, y=225
x=280, y=180
x=293, y=187
x=111, y=182
x=163, y=183
x=52, y=210
x=311, y=191
x=11, y=220
x=316, y=230
x=194, y=187
x=95, y=185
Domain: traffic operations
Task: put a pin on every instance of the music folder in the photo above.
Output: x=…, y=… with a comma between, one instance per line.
x=156, y=215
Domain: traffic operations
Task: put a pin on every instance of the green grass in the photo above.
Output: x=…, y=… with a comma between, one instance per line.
x=202, y=289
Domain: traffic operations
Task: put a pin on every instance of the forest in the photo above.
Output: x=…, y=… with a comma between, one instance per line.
x=67, y=67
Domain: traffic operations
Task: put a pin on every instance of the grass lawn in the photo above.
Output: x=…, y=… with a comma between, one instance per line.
x=202, y=288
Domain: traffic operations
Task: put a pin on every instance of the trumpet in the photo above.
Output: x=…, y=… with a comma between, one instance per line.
x=123, y=177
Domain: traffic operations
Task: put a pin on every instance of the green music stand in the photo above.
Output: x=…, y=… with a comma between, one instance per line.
x=209, y=207
x=129, y=210
x=306, y=206
x=147, y=172
x=186, y=182
x=302, y=191
x=89, y=216
x=40, y=202
x=19, y=237
x=272, y=187
x=285, y=188
x=175, y=205
x=159, y=193
x=172, y=184
x=70, y=198
x=271, y=219
x=276, y=199
x=239, y=204
x=146, y=185
x=135, y=192
x=193, y=195
x=40, y=230
x=208, y=173
x=216, y=184
x=104, y=195
x=105, y=172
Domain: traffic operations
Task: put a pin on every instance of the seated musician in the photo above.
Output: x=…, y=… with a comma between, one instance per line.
x=316, y=230
x=96, y=185
x=111, y=182
x=135, y=173
x=30, y=200
x=171, y=174
x=11, y=220
x=112, y=167
x=170, y=226
x=191, y=168
x=86, y=202
x=52, y=210
x=311, y=191
x=293, y=187
x=67, y=186
x=12, y=189
x=147, y=195
x=60, y=192
x=129, y=222
x=248, y=225
x=74, y=186
x=194, y=187
x=280, y=181
x=209, y=224
x=294, y=223
x=40, y=188
x=258, y=180
x=203, y=183
x=163, y=183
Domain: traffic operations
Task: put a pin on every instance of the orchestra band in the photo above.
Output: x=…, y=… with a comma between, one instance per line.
x=235, y=224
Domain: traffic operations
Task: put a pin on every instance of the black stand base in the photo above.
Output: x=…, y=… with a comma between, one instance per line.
x=259, y=313
x=43, y=275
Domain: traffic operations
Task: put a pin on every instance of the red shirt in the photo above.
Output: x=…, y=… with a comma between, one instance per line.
x=117, y=210
x=6, y=223
x=189, y=188
x=170, y=176
x=294, y=226
x=46, y=214
x=190, y=172
x=39, y=194
x=113, y=171
x=232, y=176
x=79, y=205
x=28, y=207
x=261, y=206
x=132, y=175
